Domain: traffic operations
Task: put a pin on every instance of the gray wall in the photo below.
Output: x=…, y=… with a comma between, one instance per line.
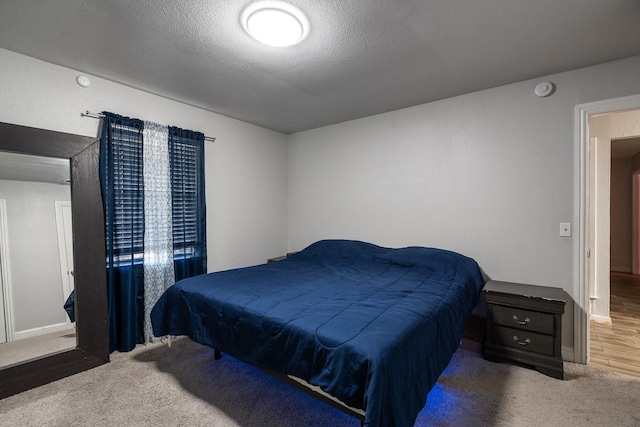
x=490, y=174
x=36, y=283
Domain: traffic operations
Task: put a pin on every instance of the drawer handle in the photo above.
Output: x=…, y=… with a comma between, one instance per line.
x=521, y=322
x=522, y=343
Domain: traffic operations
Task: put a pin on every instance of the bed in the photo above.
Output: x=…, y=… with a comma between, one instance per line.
x=373, y=327
x=70, y=306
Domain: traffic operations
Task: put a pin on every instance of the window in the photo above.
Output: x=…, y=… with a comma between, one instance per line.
x=141, y=261
x=126, y=183
x=187, y=184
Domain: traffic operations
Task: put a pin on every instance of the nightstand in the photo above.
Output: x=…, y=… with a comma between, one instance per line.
x=524, y=325
x=280, y=258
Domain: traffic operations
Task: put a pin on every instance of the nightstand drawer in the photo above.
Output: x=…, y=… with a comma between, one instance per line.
x=526, y=340
x=523, y=319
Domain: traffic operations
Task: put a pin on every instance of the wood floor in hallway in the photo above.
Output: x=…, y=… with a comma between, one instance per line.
x=616, y=347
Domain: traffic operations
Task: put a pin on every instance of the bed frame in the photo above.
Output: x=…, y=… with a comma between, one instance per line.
x=472, y=341
x=388, y=372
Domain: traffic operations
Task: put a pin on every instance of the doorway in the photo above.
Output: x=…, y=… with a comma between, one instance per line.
x=605, y=164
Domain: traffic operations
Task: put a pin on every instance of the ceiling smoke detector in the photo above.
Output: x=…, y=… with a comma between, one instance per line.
x=544, y=89
x=275, y=23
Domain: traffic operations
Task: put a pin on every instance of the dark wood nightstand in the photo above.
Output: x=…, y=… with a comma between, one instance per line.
x=524, y=325
x=280, y=258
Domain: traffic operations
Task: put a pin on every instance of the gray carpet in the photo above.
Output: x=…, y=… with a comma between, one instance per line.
x=183, y=386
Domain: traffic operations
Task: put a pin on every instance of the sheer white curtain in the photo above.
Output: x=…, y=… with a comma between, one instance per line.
x=158, y=230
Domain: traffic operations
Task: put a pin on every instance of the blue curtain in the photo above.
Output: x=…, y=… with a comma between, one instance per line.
x=121, y=175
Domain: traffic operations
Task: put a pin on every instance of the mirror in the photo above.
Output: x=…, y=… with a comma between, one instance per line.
x=92, y=347
x=35, y=226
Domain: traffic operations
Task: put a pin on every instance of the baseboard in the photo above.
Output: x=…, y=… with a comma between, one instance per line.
x=620, y=269
x=600, y=319
x=34, y=332
x=568, y=354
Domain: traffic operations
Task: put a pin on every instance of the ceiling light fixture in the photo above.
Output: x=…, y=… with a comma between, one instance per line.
x=275, y=23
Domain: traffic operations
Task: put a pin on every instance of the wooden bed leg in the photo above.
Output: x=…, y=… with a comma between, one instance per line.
x=216, y=354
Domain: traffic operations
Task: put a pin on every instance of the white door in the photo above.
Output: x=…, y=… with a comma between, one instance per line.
x=65, y=246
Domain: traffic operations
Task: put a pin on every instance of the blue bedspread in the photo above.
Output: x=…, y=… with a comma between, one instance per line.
x=372, y=326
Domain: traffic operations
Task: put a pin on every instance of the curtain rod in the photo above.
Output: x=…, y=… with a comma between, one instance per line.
x=101, y=116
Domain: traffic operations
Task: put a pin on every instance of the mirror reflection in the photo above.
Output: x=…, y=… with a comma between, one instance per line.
x=36, y=257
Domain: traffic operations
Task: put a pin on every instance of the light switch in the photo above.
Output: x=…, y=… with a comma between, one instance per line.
x=565, y=229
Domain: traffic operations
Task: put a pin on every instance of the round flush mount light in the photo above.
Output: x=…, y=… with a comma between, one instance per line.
x=275, y=23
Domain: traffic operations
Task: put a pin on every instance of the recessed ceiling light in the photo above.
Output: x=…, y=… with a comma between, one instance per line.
x=275, y=23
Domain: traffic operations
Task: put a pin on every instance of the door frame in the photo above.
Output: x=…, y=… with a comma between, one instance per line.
x=65, y=274
x=5, y=273
x=635, y=224
x=581, y=198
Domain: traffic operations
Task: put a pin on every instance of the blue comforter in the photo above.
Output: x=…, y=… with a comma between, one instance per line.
x=372, y=326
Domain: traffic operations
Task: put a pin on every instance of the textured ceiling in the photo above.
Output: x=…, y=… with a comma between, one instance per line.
x=362, y=57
